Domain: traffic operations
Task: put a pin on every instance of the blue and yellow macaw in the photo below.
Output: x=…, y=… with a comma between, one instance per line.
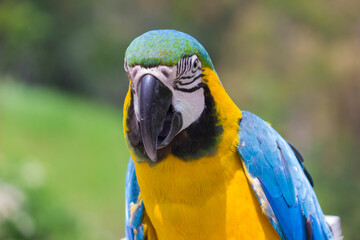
x=201, y=168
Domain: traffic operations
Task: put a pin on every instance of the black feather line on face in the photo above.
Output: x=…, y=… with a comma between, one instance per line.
x=188, y=67
x=186, y=77
x=198, y=140
x=183, y=67
x=195, y=78
x=189, y=90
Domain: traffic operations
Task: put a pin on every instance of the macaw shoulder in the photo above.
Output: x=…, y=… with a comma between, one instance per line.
x=281, y=183
x=263, y=151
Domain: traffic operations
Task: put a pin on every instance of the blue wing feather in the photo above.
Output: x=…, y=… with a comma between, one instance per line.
x=134, y=228
x=272, y=161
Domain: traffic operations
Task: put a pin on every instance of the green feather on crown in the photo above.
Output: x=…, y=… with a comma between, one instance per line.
x=165, y=47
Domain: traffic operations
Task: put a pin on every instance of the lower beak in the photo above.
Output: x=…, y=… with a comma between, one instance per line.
x=158, y=121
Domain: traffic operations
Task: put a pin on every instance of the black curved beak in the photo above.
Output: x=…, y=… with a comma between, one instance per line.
x=159, y=123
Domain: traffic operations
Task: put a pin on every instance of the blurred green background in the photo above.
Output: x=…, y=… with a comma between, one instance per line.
x=62, y=154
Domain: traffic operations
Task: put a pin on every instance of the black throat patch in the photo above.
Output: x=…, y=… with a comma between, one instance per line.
x=198, y=140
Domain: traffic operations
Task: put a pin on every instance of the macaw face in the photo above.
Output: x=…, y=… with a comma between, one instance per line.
x=166, y=100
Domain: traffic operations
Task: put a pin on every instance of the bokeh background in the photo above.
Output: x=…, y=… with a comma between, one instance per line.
x=62, y=153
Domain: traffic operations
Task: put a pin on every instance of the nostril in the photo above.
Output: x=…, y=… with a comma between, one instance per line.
x=165, y=73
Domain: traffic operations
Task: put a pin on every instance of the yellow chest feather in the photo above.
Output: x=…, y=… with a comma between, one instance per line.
x=203, y=202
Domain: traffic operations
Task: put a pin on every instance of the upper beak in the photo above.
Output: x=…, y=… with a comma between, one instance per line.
x=158, y=121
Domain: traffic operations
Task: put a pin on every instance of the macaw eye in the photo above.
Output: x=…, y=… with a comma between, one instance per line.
x=195, y=65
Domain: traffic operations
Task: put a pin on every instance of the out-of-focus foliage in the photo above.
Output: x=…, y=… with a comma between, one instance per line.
x=294, y=63
x=33, y=214
x=69, y=158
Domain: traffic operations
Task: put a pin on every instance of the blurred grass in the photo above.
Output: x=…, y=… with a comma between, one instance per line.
x=80, y=146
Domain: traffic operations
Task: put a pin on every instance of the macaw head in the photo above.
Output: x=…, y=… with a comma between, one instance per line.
x=169, y=107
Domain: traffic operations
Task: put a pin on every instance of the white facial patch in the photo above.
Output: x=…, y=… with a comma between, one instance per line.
x=185, y=82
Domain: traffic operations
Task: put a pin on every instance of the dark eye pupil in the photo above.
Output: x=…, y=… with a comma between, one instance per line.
x=195, y=64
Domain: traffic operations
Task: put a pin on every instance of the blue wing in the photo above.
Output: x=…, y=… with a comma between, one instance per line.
x=134, y=207
x=279, y=181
